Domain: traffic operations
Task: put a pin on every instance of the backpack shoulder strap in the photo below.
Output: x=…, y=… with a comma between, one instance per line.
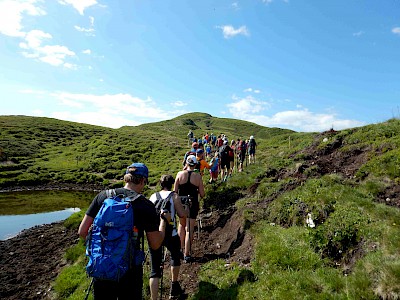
x=158, y=196
x=111, y=193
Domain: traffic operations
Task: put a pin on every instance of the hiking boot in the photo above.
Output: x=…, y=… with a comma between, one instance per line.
x=176, y=290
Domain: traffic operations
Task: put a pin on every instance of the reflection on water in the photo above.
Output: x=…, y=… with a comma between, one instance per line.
x=10, y=226
x=23, y=210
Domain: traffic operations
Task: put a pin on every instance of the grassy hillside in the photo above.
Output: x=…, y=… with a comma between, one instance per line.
x=37, y=151
x=346, y=182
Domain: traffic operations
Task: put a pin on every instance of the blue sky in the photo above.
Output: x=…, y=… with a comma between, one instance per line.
x=304, y=65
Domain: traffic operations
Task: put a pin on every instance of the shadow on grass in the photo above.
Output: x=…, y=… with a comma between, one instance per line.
x=210, y=291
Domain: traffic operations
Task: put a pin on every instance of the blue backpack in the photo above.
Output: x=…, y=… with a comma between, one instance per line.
x=113, y=245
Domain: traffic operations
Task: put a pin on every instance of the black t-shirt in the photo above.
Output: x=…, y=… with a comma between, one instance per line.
x=144, y=212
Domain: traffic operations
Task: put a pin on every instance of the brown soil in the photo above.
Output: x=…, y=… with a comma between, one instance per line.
x=32, y=260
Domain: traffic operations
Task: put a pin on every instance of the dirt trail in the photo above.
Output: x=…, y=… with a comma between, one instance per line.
x=32, y=260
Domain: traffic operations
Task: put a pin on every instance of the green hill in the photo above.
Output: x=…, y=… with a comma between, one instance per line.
x=257, y=240
x=37, y=151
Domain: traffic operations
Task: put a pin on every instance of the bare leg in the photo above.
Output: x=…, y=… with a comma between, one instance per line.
x=154, y=288
x=188, y=242
x=175, y=273
x=182, y=231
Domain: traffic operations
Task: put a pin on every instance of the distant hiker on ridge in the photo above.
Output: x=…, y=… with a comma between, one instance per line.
x=252, y=150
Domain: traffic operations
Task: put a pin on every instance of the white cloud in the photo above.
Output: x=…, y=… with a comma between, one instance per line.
x=251, y=90
x=229, y=31
x=101, y=109
x=11, y=17
x=247, y=106
x=102, y=118
x=396, y=30
x=251, y=109
x=79, y=5
x=11, y=14
x=179, y=103
x=54, y=55
x=235, y=5
x=86, y=30
x=70, y=66
x=87, y=51
x=34, y=38
x=359, y=33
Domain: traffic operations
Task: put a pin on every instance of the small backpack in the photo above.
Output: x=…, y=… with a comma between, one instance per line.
x=186, y=155
x=162, y=204
x=113, y=245
x=224, y=152
x=242, y=146
x=231, y=153
x=165, y=204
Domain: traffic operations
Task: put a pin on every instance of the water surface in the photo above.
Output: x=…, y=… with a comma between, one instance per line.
x=23, y=210
x=10, y=226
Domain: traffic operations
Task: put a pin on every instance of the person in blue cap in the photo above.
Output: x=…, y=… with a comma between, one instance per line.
x=146, y=221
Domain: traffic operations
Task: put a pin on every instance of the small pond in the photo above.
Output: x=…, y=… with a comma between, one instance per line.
x=22, y=210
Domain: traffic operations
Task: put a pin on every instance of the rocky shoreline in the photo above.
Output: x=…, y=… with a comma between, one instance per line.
x=54, y=186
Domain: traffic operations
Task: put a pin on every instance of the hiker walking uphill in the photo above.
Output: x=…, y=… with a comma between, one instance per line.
x=241, y=148
x=189, y=185
x=214, y=162
x=192, y=151
x=118, y=232
x=252, y=145
x=201, y=162
x=169, y=201
x=224, y=160
x=190, y=137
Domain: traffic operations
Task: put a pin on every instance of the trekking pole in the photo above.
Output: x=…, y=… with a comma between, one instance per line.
x=190, y=236
x=163, y=253
x=90, y=287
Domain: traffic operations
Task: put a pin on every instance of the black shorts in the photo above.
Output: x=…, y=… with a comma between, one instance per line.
x=242, y=156
x=225, y=163
x=173, y=244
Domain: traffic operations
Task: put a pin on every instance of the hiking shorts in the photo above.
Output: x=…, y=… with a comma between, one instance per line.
x=214, y=174
x=242, y=157
x=252, y=151
x=173, y=244
x=225, y=163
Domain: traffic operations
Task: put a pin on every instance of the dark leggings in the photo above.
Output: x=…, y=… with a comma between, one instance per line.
x=173, y=245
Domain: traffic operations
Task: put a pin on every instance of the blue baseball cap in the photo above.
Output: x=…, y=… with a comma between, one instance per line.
x=140, y=169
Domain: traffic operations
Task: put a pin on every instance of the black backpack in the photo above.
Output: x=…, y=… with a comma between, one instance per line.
x=162, y=204
x=224, y=152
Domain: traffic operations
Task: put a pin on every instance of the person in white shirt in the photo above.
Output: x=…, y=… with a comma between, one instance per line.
x=169, y=201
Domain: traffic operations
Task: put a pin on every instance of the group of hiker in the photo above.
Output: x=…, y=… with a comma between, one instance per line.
x=117, y=220
x=221, y=155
